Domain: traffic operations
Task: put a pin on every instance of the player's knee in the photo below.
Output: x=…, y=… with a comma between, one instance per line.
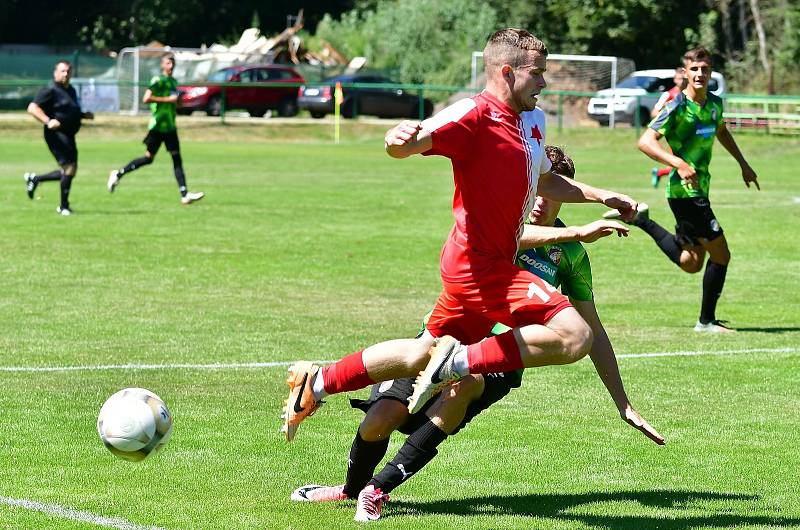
x=69, y=170
x=149, y=156
x=577, y=343
x=468, y=389
x=692, y=266
x=384, y=417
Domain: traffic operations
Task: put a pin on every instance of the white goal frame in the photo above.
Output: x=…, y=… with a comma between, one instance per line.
x=562, y=57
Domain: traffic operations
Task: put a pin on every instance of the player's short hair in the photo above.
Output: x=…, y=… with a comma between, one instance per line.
x=510, y=46
x=62, y=61
x=697, y=54
x=170, y=57
x=562, y=164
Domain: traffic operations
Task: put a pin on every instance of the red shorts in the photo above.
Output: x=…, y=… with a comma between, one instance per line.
x=510, y=295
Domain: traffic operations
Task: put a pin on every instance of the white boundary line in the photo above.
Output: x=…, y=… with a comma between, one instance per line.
x=75, y=515
x=246, y=366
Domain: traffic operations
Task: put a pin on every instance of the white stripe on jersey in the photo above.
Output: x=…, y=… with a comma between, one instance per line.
x=538, y=162
x=451, y=114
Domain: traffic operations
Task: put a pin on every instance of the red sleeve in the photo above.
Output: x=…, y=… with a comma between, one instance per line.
x=453, y=129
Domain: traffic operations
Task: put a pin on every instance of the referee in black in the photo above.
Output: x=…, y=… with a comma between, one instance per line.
x=57, y=107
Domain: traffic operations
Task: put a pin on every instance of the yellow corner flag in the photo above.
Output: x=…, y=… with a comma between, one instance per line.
x=338, y=97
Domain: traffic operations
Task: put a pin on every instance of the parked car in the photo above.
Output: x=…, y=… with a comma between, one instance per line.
x=379, y=101
x=255, y=100
x=648, y=84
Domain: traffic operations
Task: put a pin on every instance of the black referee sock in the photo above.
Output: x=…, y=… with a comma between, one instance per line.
x=53, y=175
x=135, y=164
x=364, y=458
x=713, y=281
x=66, y=184
x=666, y=241
x=419, y=449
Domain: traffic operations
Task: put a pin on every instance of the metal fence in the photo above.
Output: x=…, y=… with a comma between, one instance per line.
x=768, y=114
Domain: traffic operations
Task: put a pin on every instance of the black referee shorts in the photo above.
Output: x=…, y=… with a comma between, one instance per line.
x=695, y=222
x=63, y=147
x=496, y=387
x=154, y=139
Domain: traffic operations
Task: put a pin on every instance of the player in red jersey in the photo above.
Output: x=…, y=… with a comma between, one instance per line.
x=680, y=83
x=495, y=141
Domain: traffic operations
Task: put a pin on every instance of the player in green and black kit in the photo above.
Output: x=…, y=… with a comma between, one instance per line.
x=690, y=122
x=559, y=259
x=162, y=94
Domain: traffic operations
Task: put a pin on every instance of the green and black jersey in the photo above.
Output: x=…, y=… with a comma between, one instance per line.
x=690, y=130
x=163, y=118
x=564, y=265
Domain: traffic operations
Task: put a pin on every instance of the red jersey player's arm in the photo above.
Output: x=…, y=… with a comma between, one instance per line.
x=407, y=138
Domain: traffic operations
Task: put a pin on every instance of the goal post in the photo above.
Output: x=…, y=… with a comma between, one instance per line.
x=578, y=73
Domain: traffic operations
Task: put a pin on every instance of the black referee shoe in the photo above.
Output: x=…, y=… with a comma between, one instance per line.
x=30, y=183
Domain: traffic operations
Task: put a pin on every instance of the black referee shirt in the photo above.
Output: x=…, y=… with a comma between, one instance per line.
x=62, y=104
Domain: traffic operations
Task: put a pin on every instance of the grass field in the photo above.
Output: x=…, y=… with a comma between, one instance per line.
x=304, y=249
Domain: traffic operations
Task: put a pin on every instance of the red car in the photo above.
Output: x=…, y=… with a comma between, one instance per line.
x=255, y=100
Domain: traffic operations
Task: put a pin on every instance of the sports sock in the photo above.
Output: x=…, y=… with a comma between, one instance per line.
x=364, y=458
x=495, y=354
x=53, y=175
x=666, y=241
x=66, y=184
x=177, y=163
x=713, y=280
x=134, y=164
x=419, y=449
x=345, y=375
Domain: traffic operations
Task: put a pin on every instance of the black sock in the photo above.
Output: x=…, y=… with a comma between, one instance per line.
x=419, y=449
x=134, y=164
x=66, y=183
x=177, y=162
x=364, y=458
x=667, y=242
x=53, y=175
x=713, y=280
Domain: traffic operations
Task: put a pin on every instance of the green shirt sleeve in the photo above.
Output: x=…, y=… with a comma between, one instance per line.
x=576, y=281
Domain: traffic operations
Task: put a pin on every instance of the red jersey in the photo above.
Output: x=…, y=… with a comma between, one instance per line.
x=497, y=157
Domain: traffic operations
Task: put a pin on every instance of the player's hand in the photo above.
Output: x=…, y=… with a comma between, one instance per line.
x=750, y=176
x=53, y=124
x=635, y=420
x=688, y=175
x=594, y=231
x=402, y=133
x=626, y=205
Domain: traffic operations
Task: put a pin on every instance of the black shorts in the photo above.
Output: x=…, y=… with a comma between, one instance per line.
x=695, y=222
x=496, y=387
x=63, y=147
x=154, y=139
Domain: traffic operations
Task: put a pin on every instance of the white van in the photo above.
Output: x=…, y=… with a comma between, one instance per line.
x=648, y=84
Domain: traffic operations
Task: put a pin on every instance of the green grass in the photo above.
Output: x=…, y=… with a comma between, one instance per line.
x=305, y=249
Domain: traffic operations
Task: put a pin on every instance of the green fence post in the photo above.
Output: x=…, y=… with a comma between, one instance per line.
x=637, y=115
x=421, y=105
x=560, y=111
x=75, y=56
x=222, y=106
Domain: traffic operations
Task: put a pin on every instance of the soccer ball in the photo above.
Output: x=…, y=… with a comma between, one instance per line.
x=134, y=423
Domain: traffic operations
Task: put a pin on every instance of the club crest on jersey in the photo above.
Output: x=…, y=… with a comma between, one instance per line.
x=555, y=254
x=496, y=116
x=536, y=134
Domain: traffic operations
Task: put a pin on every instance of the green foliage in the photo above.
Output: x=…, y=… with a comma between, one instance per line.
x=426, y=41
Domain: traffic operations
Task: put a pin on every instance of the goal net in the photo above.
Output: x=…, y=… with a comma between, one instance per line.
x=581, y=74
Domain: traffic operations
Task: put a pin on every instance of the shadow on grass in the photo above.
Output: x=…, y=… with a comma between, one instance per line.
x=673, y=504
x=769, y=330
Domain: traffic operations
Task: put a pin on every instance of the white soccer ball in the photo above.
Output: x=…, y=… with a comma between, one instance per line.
x=134, y=423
